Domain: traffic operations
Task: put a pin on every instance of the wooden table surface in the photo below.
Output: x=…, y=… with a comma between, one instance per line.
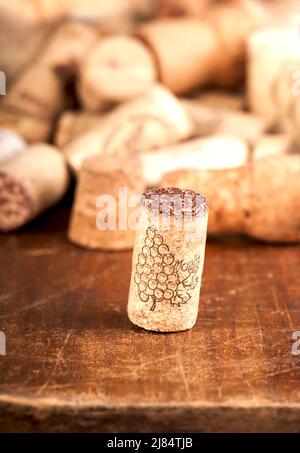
x=75, y=362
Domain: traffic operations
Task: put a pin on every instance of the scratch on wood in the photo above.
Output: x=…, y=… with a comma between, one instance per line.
x=183, y=375
x=58, y=359
x=41, y=252
x=37, y=303
x=259, y=328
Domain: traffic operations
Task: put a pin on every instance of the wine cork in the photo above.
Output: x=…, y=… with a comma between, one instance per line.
x=33, y=130
x=117, y=69
x=274, y=59
x=211, y=153
x=180, y=7
x=244, y=125
x=99, y=11
x=222, y=99
x=212, y=49
x=260, y=199
x=178, y=40
x=72, y=124
x=22, y=36
x=115, y=186
x=38, y=93
x=68, y=45
x=168, y=259
x=293, y=120
x=151, y=121
x=272, y=145
x=11, y=144
x=226, y=189
x=206, y=120
x=232, y=22
x=274, y=188
x=30, y=183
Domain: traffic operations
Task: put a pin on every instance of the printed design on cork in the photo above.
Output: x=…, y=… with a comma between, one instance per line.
x=159, y=277
x=131, y=133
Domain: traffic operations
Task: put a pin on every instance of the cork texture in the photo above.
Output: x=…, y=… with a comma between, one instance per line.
x=30, y=183
x=32, y=129
x=117, y=69
x=105, y=176
x=274, y=56
x=150, y=121
x=166, y=271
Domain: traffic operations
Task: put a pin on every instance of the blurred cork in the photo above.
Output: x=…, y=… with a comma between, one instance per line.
x=32, y=129
x=72, y=124
x=30, y=183
x=274, y=62
x=106, y=198
x=260, y=199
x=117, y=69
x=150, y=121
x=11, y=144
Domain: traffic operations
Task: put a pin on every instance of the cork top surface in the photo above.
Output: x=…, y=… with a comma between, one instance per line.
x=173, y=201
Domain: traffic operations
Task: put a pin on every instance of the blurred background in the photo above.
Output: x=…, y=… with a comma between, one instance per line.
x=210, y=69
x=134, y=77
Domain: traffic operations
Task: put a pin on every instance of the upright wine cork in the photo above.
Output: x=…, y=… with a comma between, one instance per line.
x=168, y=260
x=107, y=195
x=151, y=121
x=11, y=144
x=118, y=68
x=30, y=183
x=274, y=59
x=32, y=129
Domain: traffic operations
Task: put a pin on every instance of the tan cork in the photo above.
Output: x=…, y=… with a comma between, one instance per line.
x=150, y=121
x=274, y=59
x=117, y=69
x=31, y=182
x=32, y=129
x=168, y=261
x=105, y=175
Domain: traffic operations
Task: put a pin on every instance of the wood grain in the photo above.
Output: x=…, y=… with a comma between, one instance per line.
x=75, y=362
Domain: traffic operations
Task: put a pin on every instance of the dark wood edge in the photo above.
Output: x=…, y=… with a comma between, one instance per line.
x=20, y=414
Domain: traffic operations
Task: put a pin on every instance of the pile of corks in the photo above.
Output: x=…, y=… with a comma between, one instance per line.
x=203, y=96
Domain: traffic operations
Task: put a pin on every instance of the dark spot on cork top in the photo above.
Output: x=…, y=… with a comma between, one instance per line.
x=174, y=201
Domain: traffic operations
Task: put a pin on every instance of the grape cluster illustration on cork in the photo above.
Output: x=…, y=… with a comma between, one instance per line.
x=160, y=277
x=136, y=129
